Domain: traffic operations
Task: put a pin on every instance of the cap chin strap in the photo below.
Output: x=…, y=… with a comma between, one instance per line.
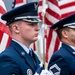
x=26, y=17
x=29, y=18
x=69, y=24
x=37, y=20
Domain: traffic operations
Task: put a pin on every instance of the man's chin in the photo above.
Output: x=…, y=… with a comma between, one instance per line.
x=35, y=40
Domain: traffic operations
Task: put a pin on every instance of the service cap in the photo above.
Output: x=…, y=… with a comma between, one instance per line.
x=27, y=12
x=66, y=22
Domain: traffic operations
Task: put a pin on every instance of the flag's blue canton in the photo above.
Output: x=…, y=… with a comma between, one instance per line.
x=59, y=0
x=39, y=69
x=13, y=3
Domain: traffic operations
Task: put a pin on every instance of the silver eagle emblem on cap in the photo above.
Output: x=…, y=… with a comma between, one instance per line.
x=35, y=6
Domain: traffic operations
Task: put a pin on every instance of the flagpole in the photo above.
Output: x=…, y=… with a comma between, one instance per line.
x=43, y=26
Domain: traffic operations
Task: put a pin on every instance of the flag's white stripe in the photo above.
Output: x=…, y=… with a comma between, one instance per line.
x=53, y=7
x=19, y=4
x=67, y=10
x=4, y=42
x=52, y=45
x=63, y=2
x=40, y=0
x=2, y=4
x=40, y=9
x=48, y=29
x=51, y=18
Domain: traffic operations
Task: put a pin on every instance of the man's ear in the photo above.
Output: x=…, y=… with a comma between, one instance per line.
x=15, y=28
x=64, y=33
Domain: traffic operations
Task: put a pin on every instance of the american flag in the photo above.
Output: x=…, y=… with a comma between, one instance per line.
x=57, y=9
x=39, y=69
x=40, y=9
x=5, y=36
x=42, y=71
x=13, y=3
x=67, y=7
x=52, y=16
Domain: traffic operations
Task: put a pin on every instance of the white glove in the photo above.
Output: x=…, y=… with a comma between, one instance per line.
x=46, y=72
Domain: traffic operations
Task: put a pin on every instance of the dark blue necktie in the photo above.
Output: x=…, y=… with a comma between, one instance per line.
x=30, y=53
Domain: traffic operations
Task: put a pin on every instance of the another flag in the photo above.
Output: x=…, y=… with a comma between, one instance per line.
x=55, y=12
x=13, y=3
x=39, y=69
x=67, y=7
x=40, y=9
x=52, y=16
x=5, y=36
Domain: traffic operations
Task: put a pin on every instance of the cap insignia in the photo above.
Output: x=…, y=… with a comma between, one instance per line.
x=36, y=6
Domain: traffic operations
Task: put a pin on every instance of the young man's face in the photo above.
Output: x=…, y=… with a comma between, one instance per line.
x=28, y=31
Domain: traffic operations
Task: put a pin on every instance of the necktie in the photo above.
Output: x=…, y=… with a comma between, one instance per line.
x=30, y=53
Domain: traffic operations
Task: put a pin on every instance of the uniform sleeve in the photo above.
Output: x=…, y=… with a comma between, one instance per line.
x=58, y=66
x=8, y=66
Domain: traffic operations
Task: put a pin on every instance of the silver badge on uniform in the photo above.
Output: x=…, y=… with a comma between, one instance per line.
x=22, y=53
x=55, y=69
x=29, y=72
x=74, y=53
x=13, y=74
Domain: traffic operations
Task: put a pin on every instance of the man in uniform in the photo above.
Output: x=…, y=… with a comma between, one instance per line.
x=23, y=24
x=62, y=62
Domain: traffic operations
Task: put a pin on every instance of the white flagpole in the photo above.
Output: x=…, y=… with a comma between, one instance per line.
x=44, y=7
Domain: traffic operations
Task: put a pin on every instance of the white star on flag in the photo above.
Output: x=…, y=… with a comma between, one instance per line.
x=36, y=74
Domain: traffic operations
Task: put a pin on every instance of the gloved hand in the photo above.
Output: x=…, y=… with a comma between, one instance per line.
x=46, y=72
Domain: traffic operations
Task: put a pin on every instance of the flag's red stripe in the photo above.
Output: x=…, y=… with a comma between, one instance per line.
x=53, y=13
x=67, y=5
x=34, y=46
x=48, y=22
x=4, y=28
x=49, y=38
x=67, y=14
x=54, y=2
x=2, y=11
x=1, y=34
x=56, y=44
x=40, y=14
x=40, y=3
x=19, y=1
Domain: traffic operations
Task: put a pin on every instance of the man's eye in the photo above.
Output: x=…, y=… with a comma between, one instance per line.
x=33, y=24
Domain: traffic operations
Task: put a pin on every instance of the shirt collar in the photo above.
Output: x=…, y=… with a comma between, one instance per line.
x=72, y=47
x=23, y=46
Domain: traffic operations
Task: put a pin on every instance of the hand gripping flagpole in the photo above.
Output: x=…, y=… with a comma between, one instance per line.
x=44, y=7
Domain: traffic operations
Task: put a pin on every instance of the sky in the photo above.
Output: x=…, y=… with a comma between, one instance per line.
x=9, y=2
